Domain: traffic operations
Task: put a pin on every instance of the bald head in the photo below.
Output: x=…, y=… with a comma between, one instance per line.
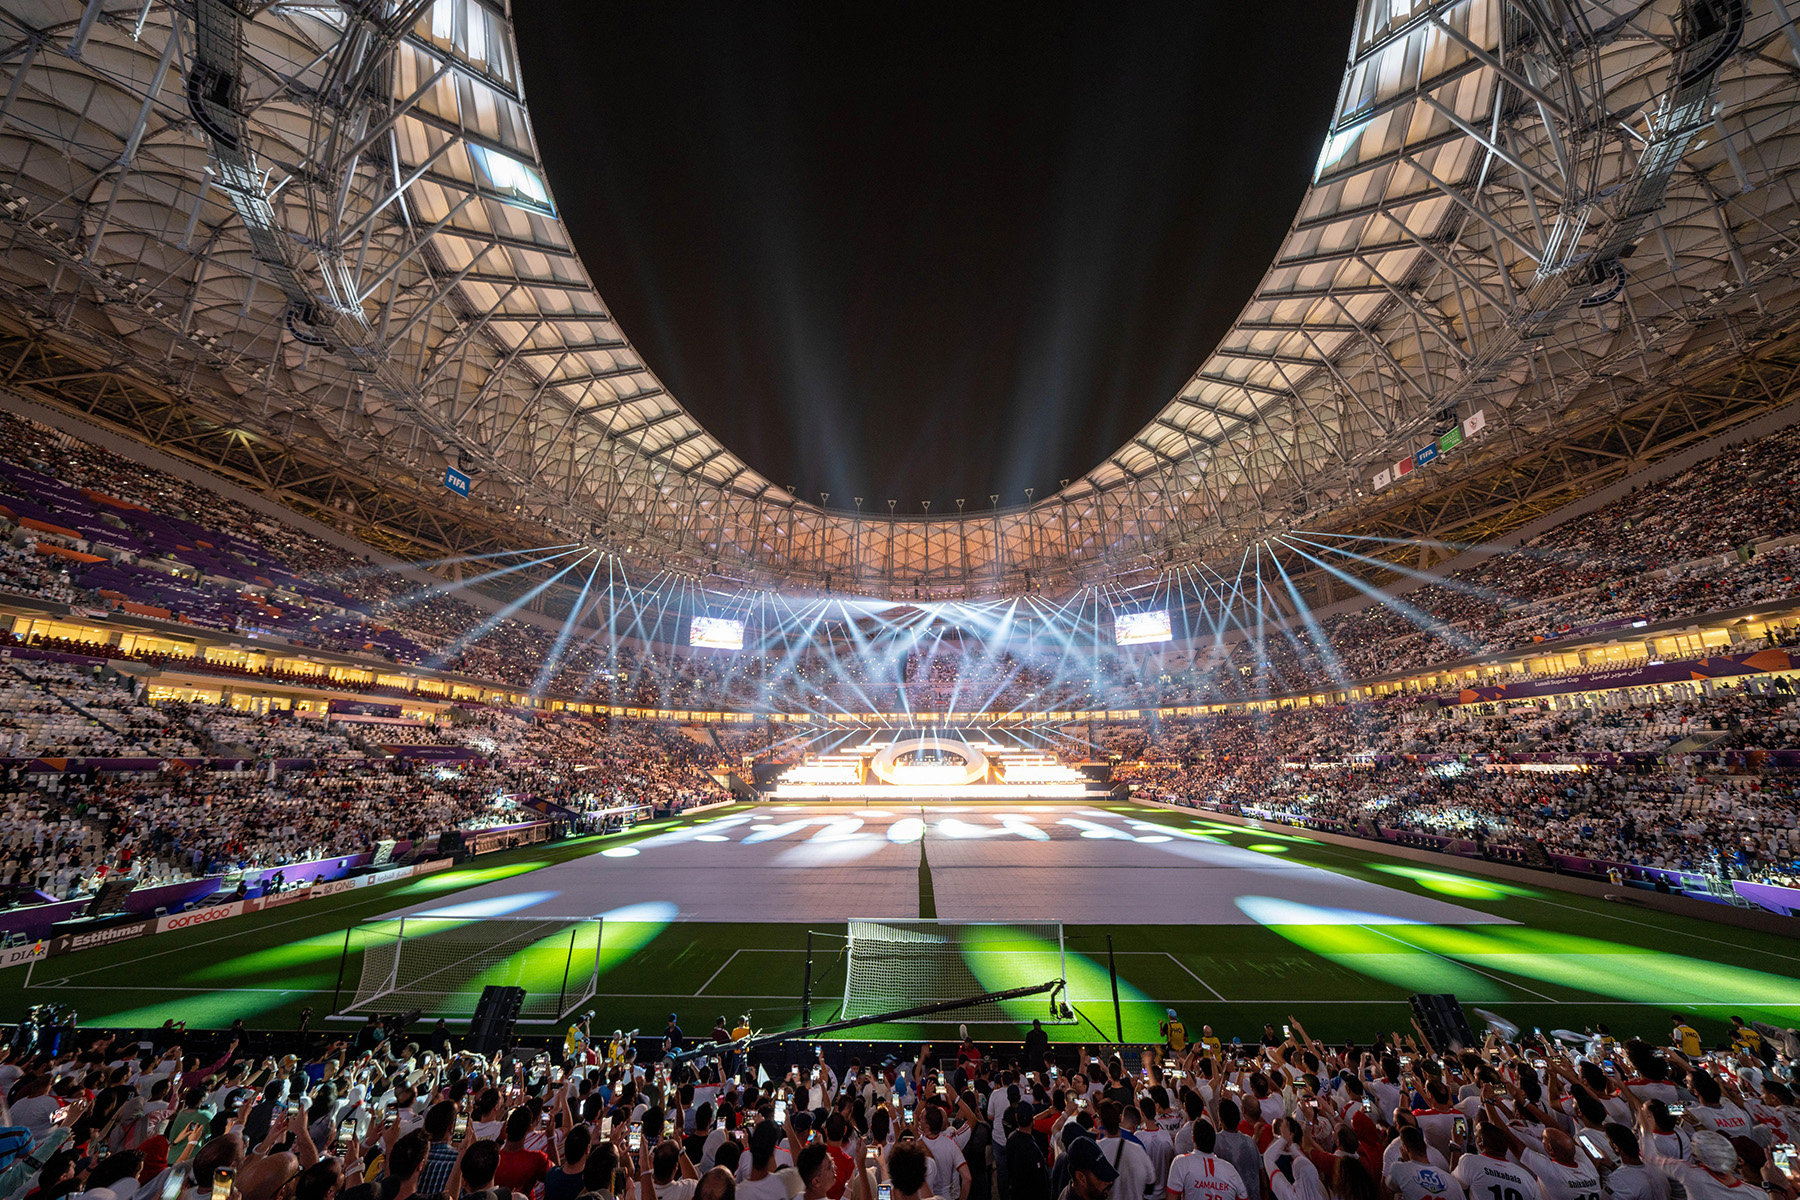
x=1559, y=1146
x=271, y=1177
x=716, y=1184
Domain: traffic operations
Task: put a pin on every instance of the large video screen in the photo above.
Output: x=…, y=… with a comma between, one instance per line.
x=716, y=633
x=1135, y=629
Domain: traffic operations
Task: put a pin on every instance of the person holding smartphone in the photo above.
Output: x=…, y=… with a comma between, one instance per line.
x=757, y=1172
x=520, y=1168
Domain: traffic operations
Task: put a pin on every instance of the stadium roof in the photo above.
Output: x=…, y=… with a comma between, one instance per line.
x=313, y=244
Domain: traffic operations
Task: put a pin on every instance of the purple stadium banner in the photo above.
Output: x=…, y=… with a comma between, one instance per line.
x=1783, y=900
x=1721, y=666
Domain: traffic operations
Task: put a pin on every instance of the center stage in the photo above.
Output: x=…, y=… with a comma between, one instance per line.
x=1076, y=863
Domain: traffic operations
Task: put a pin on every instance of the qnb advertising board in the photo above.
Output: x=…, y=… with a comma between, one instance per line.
x=1135, y=629
x=716, y=633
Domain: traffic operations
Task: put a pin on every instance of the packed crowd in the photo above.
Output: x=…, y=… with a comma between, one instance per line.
x=53, y=708
x=338, y=790
x=1667, y=780
x=1284, y=1117
x=1684, y=545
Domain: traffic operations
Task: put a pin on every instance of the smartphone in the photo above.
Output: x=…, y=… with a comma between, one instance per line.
x=636, y=1138
x=1081, y=1102
x=906, y=1115
x=1592, y=1142
x=605, y=1127
x=1785, y=1157
x=719, y=1124
x=884, y=1191
x=222, y=1181
x=462, y=1127
x=1286, y=1032
x=177, y=1181
x=1677, y=1110
x=1054, y=1072
x=1459, y=1128
x=780, y=1111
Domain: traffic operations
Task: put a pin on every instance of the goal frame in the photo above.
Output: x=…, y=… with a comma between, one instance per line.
x=575, y=989
x=953, y=1017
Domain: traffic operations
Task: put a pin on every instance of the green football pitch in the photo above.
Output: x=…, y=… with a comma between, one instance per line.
x=1560, y=960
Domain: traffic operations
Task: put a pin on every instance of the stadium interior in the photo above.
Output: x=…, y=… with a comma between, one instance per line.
x=412, y=707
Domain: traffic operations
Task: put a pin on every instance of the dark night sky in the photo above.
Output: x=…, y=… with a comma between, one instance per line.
x=928, y=252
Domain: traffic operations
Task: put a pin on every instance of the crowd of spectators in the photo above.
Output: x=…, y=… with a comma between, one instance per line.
x=1283, y=1116
x=1669, y=779
x=1687, y=544
x=279, y=788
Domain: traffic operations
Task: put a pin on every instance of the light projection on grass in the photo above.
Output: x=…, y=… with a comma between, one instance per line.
x=1597, y=967
x=305, y=962
x=625, y=931
x=1370, y=944
x=492, y=906
x=1467, y=887
x=466, y=877
x=1448, y=958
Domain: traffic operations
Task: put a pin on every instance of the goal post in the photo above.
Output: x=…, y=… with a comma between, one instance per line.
x=439, y=965
x=905, y=963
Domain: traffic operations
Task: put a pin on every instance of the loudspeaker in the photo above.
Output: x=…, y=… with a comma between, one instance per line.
x=1440, y=1015
x=111, y=897
x=495, y=1015
x=450, y=843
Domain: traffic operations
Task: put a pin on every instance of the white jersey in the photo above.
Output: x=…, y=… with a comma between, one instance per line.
x=941, y=1172
x=1423, y=1181
x=1559, y=1182
x=1673, y=1144
x=1487, y=1178
x=1137, y=1173
x=1200, y=1176
x=1702, y=1184
x=1637, y=1183
x=1724, y=1117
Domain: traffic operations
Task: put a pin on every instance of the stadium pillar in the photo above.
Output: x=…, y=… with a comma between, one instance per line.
x=1113, y=972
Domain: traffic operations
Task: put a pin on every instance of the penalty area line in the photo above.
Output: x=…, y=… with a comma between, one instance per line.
x=717, y=973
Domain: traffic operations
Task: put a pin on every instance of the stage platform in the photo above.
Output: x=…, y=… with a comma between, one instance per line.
x=886, y=793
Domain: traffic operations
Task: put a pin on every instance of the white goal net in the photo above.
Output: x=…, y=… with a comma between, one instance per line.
x=439, y=965
x=901, y=964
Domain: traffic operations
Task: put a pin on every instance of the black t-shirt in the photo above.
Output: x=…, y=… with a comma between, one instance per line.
x=561, y=1185
x=1027, y=1174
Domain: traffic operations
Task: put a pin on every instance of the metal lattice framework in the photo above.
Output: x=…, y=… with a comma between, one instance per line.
x=312, y=243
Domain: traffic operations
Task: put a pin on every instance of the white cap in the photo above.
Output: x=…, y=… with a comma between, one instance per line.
x=1713, y=1149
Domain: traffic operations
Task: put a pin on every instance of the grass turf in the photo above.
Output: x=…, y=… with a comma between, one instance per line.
x=1569, y=961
